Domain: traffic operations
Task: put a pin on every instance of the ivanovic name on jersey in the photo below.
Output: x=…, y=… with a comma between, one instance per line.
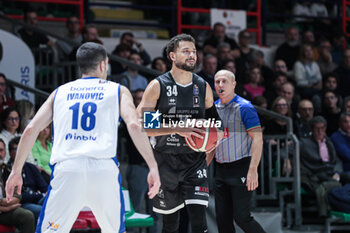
x=81, y=93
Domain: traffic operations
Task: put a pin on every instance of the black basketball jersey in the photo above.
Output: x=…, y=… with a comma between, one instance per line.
x=177, y=103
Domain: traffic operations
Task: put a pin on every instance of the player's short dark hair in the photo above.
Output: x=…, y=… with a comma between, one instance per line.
x=89, y=55
x=14, y=141
x=174, y=42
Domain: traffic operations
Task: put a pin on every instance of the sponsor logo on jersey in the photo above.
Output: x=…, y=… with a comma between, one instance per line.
x=195, y=101
x=79, y=137
x=172, y=101
x=151, y=120
x=201, y=189
x=52, y=226
x=243, y=179
x=195, y=89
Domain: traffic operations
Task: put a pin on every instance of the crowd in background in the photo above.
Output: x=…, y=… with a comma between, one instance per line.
x=309, y=81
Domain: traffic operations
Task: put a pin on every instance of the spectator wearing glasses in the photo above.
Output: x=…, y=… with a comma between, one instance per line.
x=304, y=115
x=5, y=101
x=73, y=34
x=10, y=127
x=277, y=127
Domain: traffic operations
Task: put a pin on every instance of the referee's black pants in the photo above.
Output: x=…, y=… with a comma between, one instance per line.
x=232, y=198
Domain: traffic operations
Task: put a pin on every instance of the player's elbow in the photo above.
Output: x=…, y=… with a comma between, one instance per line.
x=134, y=126
x=30, y=131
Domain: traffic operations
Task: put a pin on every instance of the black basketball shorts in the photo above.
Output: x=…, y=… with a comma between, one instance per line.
x=183, y=181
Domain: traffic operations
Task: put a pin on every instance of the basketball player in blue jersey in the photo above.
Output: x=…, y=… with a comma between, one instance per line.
x=183, y=172
x=237, y=157
x=85, y=172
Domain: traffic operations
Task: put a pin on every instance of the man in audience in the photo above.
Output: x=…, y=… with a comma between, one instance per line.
x=341, y=141
x=224, y=53
x=73, y=34
x=11, y=213
x=302, y=121
x=31, y=38
x=276, y=90
x=289, y=50
x=288, y=92
x=128, y=39
x=218, y=36
x=34, y=186
x=325, y=61
x=331, y=111
x=123, y=51
x=321, y=169
x=132, y=79
x=346, y=104
x=343, y=72
x=210, y=65
x=280, y=66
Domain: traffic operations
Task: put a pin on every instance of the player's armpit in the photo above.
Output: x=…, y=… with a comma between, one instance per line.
x=150, y=98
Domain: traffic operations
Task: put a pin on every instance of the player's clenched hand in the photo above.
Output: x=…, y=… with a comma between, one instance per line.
x=14, y=181
x=189, y=132
x=252, y=179
x=153, y=182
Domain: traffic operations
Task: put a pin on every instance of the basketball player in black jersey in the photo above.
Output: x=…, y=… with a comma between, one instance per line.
x=183, y=172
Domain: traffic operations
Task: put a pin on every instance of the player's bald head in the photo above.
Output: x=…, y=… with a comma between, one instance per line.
x=226, y=73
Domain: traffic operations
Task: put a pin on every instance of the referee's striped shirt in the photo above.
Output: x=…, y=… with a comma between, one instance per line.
x=238, y=117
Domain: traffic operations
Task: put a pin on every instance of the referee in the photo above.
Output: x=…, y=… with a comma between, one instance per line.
x=237, y=157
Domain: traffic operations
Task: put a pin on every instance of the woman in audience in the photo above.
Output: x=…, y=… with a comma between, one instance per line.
x=277, y=127
x=159, y=64
x=307, y=73
x=42, y=152
x=10, y=128
x=253, y=87
x=26, y=111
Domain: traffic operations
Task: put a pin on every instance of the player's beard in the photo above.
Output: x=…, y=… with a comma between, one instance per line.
x=185, y=67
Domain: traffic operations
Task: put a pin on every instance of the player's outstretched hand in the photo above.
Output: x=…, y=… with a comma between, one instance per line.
x=14, y=181
x=153, y=182
x=189, y=132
